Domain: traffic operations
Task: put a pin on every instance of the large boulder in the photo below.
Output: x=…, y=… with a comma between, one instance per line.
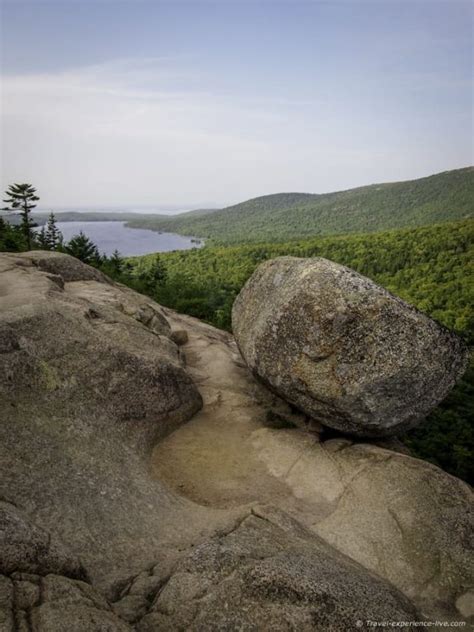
x=342, y=349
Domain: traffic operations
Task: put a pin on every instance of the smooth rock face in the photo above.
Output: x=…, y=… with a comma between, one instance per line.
x=342, y=349
x=400, y=517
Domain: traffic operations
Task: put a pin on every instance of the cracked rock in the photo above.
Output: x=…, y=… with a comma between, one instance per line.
x=269, y=573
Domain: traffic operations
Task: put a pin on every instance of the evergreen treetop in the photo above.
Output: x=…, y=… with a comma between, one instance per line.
x=21, y=197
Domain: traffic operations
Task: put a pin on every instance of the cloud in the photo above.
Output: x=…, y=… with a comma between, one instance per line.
x=116, y=125
x=146, y=132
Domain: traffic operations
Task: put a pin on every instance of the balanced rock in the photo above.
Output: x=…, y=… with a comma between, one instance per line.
x=341, y=348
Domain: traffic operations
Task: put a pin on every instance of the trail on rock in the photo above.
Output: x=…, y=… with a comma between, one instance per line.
x=212, y=459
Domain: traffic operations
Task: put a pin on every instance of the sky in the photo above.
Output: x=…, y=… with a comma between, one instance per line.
x=176, y=105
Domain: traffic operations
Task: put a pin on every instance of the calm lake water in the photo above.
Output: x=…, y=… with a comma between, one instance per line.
x=109, y=236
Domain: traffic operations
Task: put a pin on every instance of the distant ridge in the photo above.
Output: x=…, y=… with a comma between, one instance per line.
x=41, y=217
x=446, y=196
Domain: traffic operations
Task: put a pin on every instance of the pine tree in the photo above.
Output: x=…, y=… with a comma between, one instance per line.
x=41, y=239
x=116, y=261
x=11, y=237
x=20, y=197
x=53, y=235
x=83, y=248
x=4, y=233
x=157, y=272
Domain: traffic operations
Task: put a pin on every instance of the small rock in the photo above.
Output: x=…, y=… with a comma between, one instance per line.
x=179, y=337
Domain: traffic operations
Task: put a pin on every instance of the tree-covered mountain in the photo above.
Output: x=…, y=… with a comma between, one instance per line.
x=446, y=196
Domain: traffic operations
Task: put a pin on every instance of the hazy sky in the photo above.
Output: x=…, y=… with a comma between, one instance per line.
x=210, y=103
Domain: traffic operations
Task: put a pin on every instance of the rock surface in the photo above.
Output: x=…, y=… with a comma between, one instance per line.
x=398, y=516
x=89, y=382
x=25, y=547
x=342, y=349
x=53, y=603
x=116, y=515
x=269, y=573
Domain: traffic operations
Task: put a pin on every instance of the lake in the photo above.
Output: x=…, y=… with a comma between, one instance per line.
x=114, y=235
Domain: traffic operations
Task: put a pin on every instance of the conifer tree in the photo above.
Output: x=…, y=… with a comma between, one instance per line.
x=21, y=197
x=11, y=237
x=41, y=239
x=154, y=275
x=157, y=272
x=116, y=261
x=83, y=248
x=53, y=235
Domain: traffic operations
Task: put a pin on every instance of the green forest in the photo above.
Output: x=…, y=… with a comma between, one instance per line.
x=430, y=267
x=446, y=196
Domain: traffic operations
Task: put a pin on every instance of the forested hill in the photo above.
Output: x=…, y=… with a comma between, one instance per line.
x=442, y=197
